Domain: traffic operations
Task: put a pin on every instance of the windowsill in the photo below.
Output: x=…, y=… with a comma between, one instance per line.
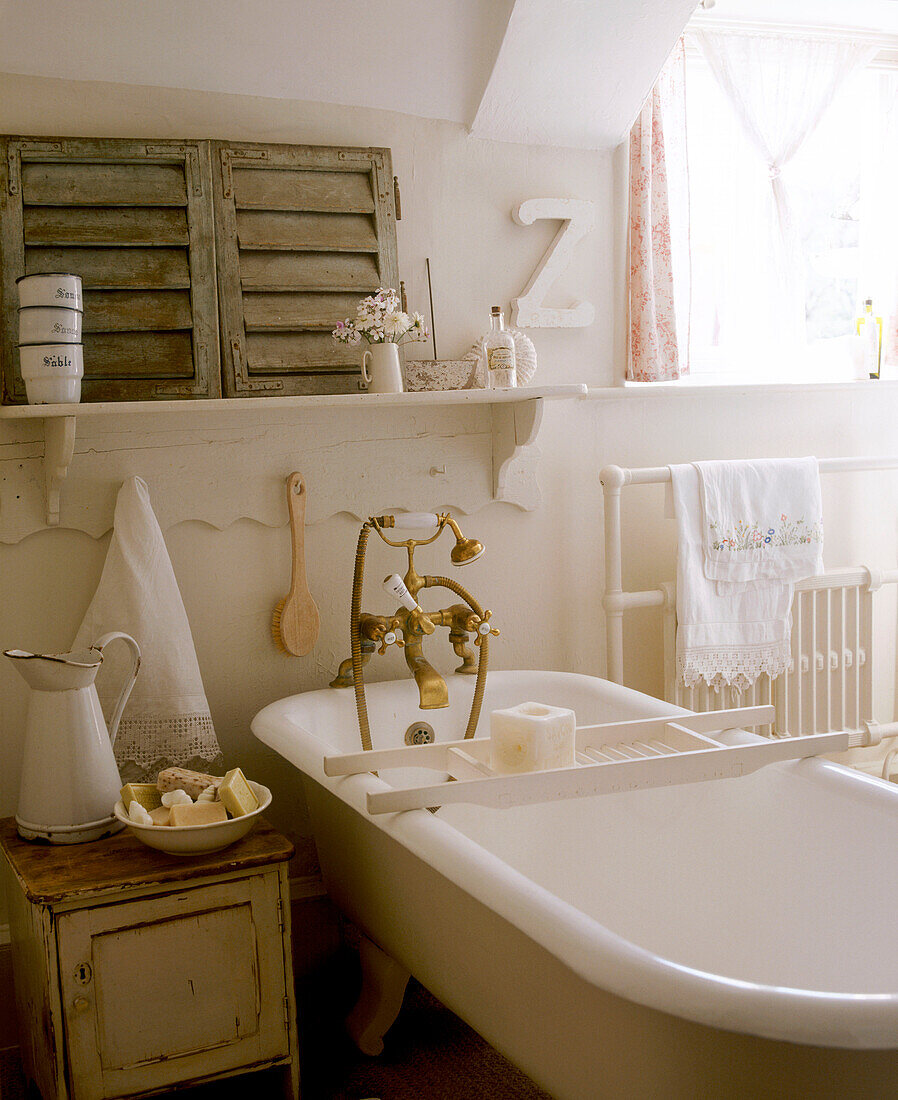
x=694, y=388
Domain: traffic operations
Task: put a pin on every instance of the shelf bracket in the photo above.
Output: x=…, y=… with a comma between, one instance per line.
x=515, y=428
x=59, y=446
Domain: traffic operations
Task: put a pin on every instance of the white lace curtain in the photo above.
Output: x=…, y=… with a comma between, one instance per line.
x=879, y=223
x=779, y=88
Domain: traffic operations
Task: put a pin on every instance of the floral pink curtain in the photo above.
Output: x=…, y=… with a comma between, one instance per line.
x=655, y=352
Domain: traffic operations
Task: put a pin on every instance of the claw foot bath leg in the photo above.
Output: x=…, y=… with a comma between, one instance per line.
x=383, y=986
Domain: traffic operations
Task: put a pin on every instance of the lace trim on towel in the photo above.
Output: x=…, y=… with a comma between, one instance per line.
x=736, y=667
x=145, y=745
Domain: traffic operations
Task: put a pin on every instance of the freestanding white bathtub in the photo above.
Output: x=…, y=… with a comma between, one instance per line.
x=727, y=938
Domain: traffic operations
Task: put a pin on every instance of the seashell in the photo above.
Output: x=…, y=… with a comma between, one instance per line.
x=138, y=814
x=176, y=798
x=524, y=355
x=210, y=794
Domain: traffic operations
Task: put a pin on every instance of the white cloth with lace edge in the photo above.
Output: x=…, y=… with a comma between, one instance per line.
x=761, y=518
x=166, y=721
x=724, y=639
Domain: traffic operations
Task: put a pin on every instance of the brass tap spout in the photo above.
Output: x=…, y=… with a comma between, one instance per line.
x=432, y=691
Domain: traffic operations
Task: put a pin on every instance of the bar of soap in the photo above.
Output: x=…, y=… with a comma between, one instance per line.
x=237, y=794
x=532, y=737
x=161, y=815
x=198, y=813
x=146, y=794
x=182, y=779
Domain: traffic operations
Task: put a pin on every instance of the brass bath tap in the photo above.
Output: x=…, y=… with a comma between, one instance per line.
x=410, y=624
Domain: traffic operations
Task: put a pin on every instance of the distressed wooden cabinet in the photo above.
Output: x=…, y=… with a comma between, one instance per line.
x=136, y=972
x=178, y=241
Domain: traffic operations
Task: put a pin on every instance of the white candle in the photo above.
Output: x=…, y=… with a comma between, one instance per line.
x=531, y=737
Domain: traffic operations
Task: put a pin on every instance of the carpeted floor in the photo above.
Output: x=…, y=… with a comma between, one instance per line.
x=12, y=1086
x=429, y=1054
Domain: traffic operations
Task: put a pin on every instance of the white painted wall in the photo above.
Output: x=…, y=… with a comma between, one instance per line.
x=541, y=574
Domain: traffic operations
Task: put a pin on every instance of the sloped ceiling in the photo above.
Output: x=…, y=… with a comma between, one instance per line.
x=575, y=72
x=430, y=59
x=549, y=72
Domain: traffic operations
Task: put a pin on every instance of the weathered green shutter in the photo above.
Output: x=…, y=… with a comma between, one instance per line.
x=134, y=220
x=290, y=240
x=302, y=233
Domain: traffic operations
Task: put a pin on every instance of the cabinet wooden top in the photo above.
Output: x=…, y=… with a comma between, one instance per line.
x=57, y=873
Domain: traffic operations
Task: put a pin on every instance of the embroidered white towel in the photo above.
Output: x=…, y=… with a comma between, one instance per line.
x=723, y=639
x=761, y=518
x=167, y=720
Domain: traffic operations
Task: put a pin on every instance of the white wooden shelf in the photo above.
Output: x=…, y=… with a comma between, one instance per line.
x=611, y=757
x=335, y=401
x=515, y=419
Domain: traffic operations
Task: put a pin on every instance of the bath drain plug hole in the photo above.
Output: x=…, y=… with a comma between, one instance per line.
x=420, y=733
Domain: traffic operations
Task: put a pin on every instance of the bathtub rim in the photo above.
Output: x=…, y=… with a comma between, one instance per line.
x=808, y=1017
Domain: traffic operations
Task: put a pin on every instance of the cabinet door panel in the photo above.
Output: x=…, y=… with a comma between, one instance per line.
x=186, y=1001
x=173, y=988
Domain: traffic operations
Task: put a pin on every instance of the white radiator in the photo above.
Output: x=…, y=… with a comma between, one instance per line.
x=829, y=685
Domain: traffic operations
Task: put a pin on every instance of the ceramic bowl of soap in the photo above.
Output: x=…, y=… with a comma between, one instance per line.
x=49, y=325
x=52, y=373
x=50, y=289
x=196, y=840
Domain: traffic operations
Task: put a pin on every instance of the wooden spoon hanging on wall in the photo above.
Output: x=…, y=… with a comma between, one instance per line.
x=295, y=621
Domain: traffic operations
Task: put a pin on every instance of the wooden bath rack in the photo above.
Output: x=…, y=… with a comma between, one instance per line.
x=611, y=757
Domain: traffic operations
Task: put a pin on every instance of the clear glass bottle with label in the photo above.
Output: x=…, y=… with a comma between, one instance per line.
x=869, y=328
x=498, y=354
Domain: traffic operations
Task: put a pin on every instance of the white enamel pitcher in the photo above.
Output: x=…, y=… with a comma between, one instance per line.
x=70, y=779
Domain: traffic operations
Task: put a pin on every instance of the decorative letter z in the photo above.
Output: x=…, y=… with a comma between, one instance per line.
x=577, y=219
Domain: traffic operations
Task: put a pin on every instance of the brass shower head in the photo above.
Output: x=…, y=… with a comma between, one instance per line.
x=465, y=550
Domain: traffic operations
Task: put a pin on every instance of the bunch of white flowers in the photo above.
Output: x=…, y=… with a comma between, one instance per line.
x=379, y=319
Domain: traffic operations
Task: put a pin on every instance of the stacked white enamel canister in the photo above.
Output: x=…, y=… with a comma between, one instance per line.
x=50, y=353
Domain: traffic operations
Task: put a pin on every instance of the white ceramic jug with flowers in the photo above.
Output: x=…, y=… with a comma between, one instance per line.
x=381, y=372
x=381, y=322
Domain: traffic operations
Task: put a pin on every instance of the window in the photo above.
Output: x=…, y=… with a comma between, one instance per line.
x=792, y=153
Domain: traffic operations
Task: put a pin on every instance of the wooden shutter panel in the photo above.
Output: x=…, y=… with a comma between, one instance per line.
x=302, y=232
x=134, y=220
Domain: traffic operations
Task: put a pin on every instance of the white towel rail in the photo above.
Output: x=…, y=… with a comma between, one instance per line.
x=824, y=658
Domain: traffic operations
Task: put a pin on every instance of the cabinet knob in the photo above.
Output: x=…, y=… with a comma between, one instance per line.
x=81, y=1004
